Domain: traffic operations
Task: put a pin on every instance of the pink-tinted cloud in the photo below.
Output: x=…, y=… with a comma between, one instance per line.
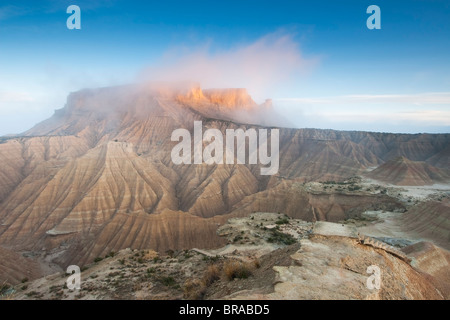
x=261, y=66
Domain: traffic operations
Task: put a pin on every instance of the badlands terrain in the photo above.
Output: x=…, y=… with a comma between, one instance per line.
x=267, y=256
x=95, y=186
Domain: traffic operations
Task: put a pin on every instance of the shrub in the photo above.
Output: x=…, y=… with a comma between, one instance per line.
x=24, y=280
x=212, y=274
x=279, y=237
x=237, y=238
x=54, y=288
x=193, y=289
x=98, y=259
x=3, y=288
x=211, y=259
x=187, y=255
x=32, y=293
x=170, y=253
x=168, y=281
x=282, y=221
x=236, y=269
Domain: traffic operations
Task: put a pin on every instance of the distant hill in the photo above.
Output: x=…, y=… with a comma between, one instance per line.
x=403, y=172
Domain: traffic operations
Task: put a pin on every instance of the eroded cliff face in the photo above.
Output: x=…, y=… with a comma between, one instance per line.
x=404, y=172
x=98, y=175
x=237, y=98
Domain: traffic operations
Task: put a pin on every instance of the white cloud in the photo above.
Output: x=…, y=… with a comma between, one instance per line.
x=411, y=113
x=15, y=96
x=261, y=66
x=422, y=98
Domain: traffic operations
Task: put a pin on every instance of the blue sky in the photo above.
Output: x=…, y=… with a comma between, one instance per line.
x=327, y=71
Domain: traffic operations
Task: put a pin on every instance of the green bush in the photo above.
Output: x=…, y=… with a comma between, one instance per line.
x=168, y=281
x=279, y=237
x=283, y=221
x=237, y=238
x=211, y=259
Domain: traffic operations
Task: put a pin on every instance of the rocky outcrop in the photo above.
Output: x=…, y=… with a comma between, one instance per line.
x=369, y=241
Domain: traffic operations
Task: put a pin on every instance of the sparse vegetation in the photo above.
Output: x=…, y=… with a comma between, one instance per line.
x=282, y=221
x=54, y=288
x=211, y=259
x=237, y=238
x=194, y=289
x=168, y=281
x=170, y=253
x=280, y=237
x=212, y=274
x=32, y=293
x=4, y=288
x=187, y=255
x=236, y=269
